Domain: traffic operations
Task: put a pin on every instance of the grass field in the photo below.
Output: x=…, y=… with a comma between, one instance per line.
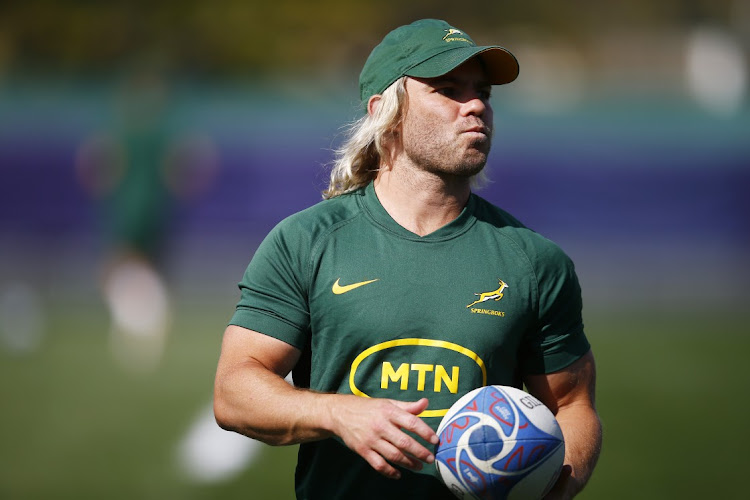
x=672, y=395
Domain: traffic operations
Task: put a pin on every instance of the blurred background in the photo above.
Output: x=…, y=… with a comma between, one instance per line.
x=147, y=147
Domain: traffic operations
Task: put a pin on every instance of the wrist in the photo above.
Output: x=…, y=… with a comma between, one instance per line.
x=320, y=415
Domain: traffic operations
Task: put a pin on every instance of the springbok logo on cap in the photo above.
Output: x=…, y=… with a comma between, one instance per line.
x=453, y=31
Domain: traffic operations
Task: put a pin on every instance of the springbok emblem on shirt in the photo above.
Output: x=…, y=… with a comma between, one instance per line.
x=493, y=295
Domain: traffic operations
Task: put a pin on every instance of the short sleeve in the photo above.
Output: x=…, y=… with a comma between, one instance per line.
x=273, y=298
x=558, y=338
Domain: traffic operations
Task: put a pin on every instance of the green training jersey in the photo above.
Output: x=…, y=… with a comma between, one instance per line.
x=381, y=312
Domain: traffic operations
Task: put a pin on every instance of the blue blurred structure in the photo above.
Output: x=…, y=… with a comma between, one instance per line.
x=650, y=198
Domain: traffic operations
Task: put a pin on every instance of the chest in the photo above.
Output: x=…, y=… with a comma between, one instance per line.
x=404, y=316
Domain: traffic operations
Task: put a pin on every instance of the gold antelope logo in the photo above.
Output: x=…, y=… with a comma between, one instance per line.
x=493, y=295
x=451, y=32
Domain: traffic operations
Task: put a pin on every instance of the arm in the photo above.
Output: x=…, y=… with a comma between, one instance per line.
x=569, y=393
x=252, y=398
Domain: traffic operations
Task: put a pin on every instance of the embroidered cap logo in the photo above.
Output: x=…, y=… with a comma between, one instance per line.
x=450, y=38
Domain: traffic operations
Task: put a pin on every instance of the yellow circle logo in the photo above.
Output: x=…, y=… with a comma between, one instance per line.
x=389, y=373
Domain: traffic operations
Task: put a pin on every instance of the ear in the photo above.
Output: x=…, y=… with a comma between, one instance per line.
x=373, y=103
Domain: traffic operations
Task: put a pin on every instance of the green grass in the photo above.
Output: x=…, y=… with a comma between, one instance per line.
x=672, y=394
x=673, y=398
x=75, y=425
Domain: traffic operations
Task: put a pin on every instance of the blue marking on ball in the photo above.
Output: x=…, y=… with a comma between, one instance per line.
x=485, y=443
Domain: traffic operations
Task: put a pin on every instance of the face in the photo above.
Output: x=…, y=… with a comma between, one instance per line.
x=447, y=126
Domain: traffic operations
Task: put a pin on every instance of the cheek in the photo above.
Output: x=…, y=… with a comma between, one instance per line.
x=415, y=128
x=428, y=125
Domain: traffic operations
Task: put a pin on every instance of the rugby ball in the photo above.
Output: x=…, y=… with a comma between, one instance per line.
x=499, y=442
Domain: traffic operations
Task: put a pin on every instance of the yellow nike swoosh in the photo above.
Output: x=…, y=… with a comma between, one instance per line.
x=338, y=289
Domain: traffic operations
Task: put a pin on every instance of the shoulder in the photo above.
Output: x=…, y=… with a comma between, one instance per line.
x=310, y=224
x=290, y=246
x=535, y=247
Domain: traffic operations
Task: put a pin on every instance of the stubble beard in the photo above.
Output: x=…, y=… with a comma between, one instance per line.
x=444, y=158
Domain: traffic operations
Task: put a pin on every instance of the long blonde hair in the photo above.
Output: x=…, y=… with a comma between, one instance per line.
x=358, y=159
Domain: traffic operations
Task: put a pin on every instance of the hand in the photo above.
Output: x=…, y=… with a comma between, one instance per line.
x=560, y=490
x=374, y=428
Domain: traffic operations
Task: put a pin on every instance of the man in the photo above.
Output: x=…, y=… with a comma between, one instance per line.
x=402, y=291
x=124, y=170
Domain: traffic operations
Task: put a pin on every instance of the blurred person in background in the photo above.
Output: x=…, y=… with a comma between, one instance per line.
x=359, y=295
x=137, y=172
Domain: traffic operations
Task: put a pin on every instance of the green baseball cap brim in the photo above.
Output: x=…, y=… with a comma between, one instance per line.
x=429, y=48
x=501, y=66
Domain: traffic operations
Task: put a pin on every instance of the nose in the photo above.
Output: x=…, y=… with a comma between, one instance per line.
x=475, y=105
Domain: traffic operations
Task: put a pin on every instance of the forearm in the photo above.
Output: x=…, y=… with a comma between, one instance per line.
x=569, y=393
x=258, y=403
x=252, y=398
x=582, y=431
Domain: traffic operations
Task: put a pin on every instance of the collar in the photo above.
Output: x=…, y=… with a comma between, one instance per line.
x=371, y=205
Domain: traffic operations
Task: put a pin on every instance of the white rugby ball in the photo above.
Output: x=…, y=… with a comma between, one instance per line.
x=499, y=442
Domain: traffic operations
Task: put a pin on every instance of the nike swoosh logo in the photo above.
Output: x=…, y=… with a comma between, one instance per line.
x=338, y=289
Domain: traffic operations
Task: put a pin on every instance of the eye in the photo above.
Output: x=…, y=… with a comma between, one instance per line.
x=447, y=91
x=484, y=93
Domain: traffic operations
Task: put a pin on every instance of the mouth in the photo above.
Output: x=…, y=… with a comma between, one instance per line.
x=477, y=135
x=478, y=129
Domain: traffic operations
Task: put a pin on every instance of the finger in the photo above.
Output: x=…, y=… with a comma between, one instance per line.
x=396, y=456
x=407, y=445
x=412, y=423
x=413, y=407
x=380, y=465
x=558, y=490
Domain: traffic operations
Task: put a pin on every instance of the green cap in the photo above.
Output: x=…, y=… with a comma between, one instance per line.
x=428, y=48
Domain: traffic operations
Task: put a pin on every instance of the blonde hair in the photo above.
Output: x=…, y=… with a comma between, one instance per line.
x=358, y=159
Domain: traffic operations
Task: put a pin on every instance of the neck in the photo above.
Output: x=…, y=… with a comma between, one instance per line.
x=422, y=202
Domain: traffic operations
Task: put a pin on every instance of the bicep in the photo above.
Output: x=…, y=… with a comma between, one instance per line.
x=241, y=346
x=573, y=385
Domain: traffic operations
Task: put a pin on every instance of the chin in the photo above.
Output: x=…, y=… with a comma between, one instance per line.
x=468, y=169
x=473, y=165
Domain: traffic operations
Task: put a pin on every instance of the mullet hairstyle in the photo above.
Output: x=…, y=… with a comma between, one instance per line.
x=358, y=160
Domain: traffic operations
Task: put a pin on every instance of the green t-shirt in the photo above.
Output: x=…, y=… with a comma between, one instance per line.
x=381, y=312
